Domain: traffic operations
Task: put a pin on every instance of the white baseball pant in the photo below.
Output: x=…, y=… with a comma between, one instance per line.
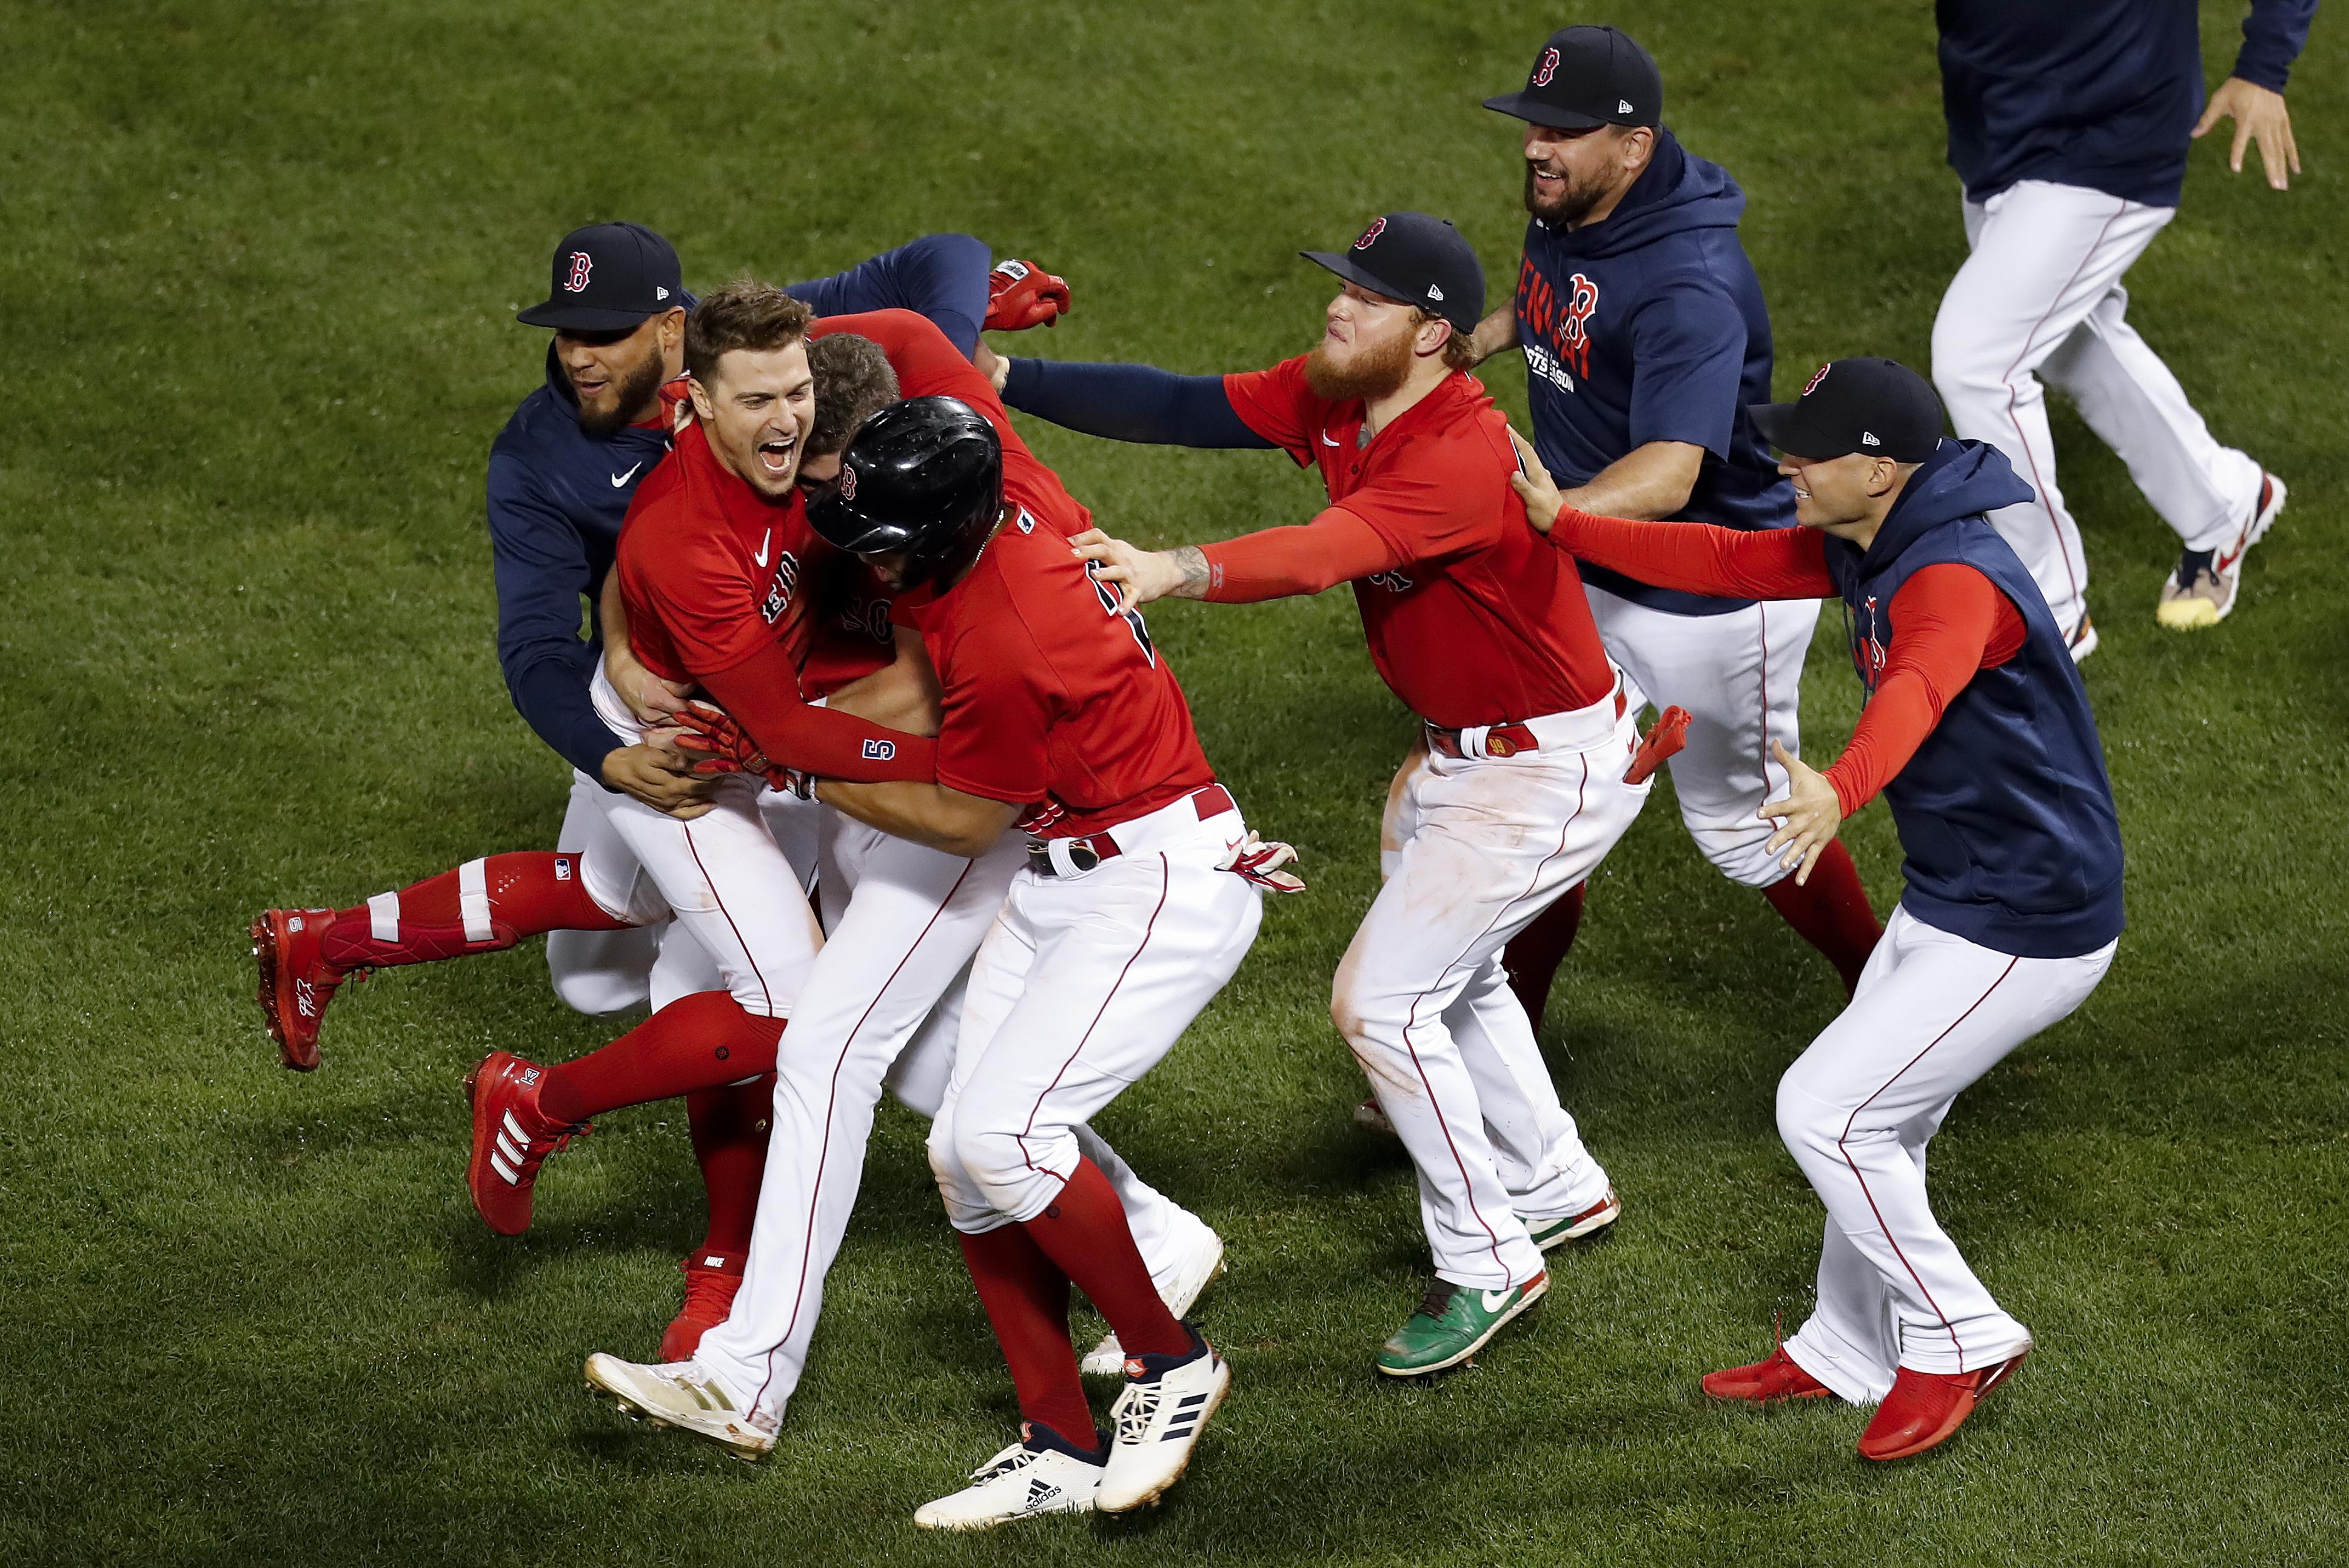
x=1085, y=981
x=1933, y=1013
x=894, y=971
x=605, y=971
x=1484, y=843
x=1740, y=676
x=2040, y=299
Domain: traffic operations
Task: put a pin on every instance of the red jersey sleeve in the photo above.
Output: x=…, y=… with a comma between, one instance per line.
x=1277, y=405
x=996, y=718
x=706, y=605
x=1335, y=547
x=1699, y=558
x=763, y=693
x=1948, y=622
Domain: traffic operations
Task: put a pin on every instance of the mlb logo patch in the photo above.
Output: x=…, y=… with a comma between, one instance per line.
x=563, y=868
x=1027, y=523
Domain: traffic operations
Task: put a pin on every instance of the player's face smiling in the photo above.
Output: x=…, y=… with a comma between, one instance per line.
x=1570, y=172
x=616, y=376
x=756, y=409
x=1833, y=493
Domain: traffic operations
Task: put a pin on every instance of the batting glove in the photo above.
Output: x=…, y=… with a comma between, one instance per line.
x=1255, y=861
x=1021, y=294
x=1668, y=736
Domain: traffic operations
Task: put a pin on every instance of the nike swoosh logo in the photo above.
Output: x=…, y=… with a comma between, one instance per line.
x=1326, y=440
x=619, y=480
x=768, y=538
x=2227, y=561
x=1495, y=1299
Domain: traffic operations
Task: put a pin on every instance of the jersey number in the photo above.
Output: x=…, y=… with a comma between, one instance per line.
x=1133, y=618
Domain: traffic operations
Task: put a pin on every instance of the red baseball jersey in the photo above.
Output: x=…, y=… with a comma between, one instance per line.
x=711, y=571
x=1484, y=622
x=1051, y=696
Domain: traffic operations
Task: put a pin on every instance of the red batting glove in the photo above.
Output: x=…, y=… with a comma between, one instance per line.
x=1668, y=736
x=723, y=746
x=1021, y=294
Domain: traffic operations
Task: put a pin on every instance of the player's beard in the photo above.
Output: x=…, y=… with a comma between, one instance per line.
x=1573, y=204
x=625, y=399
x=1374, y=372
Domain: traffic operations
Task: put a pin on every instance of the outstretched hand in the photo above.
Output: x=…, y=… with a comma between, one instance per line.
x=1534, y=486
x=1807, y=818
x=1139, y=575
x=2260, y=115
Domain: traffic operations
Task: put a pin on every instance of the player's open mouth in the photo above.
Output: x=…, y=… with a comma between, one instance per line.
x=1546, y=183
x=775, y=456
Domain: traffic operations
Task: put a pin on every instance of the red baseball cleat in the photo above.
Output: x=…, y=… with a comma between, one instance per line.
x=711, y=1282
x=1925, y=1408
x=297, y=980
x=511, y=1138
x=1766, y=1382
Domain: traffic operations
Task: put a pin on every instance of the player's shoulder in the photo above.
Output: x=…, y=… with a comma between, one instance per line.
x=538, y=424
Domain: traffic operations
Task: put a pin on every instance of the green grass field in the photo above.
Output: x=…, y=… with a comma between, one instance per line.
x=259, y=276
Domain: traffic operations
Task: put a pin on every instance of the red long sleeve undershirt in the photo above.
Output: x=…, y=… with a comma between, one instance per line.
x=1278, y=562
x=1949, y=621
x=763, y=693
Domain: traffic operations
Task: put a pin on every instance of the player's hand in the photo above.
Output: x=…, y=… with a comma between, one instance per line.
x=2259, y=116
x=1021, y=294
x=708, y=735
x=1139, y=575
x=1807, y=818
x=652, y=699
x=1534, y=486
x=661, y=777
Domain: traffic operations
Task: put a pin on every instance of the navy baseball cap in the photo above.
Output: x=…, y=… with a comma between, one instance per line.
x=1420, y=259
x=1589, y=76
x=1878, y=407
x=609, y=277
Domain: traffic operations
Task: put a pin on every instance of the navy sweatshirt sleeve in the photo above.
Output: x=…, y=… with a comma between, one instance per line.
x=2273, y=35
x=941, y=276
x=1129, y=403
x=543, y=570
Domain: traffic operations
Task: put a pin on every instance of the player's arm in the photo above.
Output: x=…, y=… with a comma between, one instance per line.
x=1274, y=563
x=1687, y=359
x=1950, y=622
x=542, y=572
x=1653, y=481
x=2252, y=95
x=902, y=694
x=762, y=694
x=943, y=277
x=1694, y=558
x=934, y=814
x=1130, y=403
x=1497, y=332
x=653, y=700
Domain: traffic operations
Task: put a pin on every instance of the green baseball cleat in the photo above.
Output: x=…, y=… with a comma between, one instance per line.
x=1452, y=1323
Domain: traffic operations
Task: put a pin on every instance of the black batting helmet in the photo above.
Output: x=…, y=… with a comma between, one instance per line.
x=924, y=478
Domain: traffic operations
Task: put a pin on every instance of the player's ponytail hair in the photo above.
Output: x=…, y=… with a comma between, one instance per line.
x=745, y=313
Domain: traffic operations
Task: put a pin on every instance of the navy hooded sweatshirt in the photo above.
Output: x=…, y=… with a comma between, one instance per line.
x=1648, y=326
x=558, y=495
x=2005, y=813
x=2098, y=93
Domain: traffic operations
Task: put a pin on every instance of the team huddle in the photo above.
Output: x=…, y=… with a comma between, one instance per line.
x=880, y=781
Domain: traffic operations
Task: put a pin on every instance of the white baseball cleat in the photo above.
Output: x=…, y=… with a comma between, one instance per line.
x=1035, y=1475
x=684, y=1397
x=1159, y=1417
x=1200, y=1265
x=2202, y=591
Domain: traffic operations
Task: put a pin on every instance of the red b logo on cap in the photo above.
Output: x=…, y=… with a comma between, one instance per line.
x=580, y=263
x=847, y=482
x=1378, y=226
x=1546, y=70
x=1816, y=376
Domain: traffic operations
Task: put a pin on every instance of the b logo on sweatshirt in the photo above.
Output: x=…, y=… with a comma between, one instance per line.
x=1574, y=327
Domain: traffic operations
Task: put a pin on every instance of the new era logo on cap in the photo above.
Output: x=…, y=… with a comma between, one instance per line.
x=1622, y=106
x=1435, y=293
x=1868, y=439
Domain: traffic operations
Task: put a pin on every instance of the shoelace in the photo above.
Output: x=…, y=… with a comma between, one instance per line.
x=1136, y=1410
x=1018, y=1457
x=1438, y=1299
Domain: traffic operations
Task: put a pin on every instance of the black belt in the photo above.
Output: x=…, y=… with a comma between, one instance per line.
x=1092, y=850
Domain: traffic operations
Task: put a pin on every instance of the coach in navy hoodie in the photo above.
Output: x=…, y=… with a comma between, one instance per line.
x=2070, y=122
x=1977, y=731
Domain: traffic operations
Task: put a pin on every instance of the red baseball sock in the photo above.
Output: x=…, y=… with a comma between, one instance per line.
x=729, y=1142
x=699, y=1041
x=1085, y=1232
x=1831, y=912
x=482, y=906
x=1533, y=955
x=1027, y=1299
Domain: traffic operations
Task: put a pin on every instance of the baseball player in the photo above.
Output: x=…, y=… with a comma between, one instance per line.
x=1487, y=637
x=896, y=953
x=1060, y=716
x=1977, y=732
x=1645, y=337
x=2069, y=126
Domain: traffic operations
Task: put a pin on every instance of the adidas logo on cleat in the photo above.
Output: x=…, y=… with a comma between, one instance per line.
x=1040, y=1491
x=1186, y=1417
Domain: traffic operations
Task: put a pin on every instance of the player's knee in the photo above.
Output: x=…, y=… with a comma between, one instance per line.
x=1357, y=1006
x=1808, y=1123
x=1963, y=364
x=996, y=1158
